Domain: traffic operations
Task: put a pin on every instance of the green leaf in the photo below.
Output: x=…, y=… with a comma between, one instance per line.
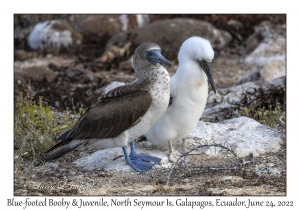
x=50, y=116
x=31, y=113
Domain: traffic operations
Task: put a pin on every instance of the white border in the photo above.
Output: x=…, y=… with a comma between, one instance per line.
x=151, y=6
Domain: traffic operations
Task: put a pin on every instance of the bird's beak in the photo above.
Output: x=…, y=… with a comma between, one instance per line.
x=154, y=57
x=206, y=68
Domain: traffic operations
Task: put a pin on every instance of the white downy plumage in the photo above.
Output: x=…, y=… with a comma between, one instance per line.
x=189, y=92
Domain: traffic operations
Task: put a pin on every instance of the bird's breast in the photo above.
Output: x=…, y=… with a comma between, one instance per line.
x=159, y=90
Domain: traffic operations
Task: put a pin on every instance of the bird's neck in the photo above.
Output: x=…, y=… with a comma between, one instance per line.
x=192, y=73
x=144, y=70
x=152, y=73
x=189, y=84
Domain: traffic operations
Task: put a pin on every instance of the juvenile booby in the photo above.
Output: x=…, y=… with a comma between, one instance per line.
x=124, y=113
x=189, y=92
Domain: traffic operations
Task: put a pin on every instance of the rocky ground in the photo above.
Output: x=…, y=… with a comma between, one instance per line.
x=249, y=57
x=205, y=180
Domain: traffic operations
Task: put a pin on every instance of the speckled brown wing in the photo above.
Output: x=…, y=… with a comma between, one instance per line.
x=113, y=113
x=108, y=117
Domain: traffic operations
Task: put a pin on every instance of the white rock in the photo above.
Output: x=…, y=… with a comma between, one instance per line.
x=231, y=180
x=112, y=85
x=268, y=51
x=53, y=34
x=243, y=135
x=147, y=188
x=273, y=70
x=262, y=169
x=234, y=94
x=51, y=165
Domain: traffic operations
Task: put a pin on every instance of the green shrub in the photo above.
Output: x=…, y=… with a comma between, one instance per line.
x=273, y=117
x=35, y=128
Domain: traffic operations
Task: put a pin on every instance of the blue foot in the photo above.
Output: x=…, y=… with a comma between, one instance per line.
x=137, y=164
x=140, y=165
x=144, y=157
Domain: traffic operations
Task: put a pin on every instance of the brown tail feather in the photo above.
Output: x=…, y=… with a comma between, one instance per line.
x=61, y=143
x=62, y=149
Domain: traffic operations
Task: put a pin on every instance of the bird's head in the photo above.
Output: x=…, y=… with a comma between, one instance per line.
x=199, y=50
x=148, y=54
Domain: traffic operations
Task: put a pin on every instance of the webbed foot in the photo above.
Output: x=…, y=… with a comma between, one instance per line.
x=139, y=162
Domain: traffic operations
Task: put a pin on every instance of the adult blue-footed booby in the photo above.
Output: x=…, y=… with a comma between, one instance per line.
x=124, y=113
x=189, y=92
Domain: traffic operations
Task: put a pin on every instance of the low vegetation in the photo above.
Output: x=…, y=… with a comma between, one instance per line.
x=266, y=106
x=35, y=128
